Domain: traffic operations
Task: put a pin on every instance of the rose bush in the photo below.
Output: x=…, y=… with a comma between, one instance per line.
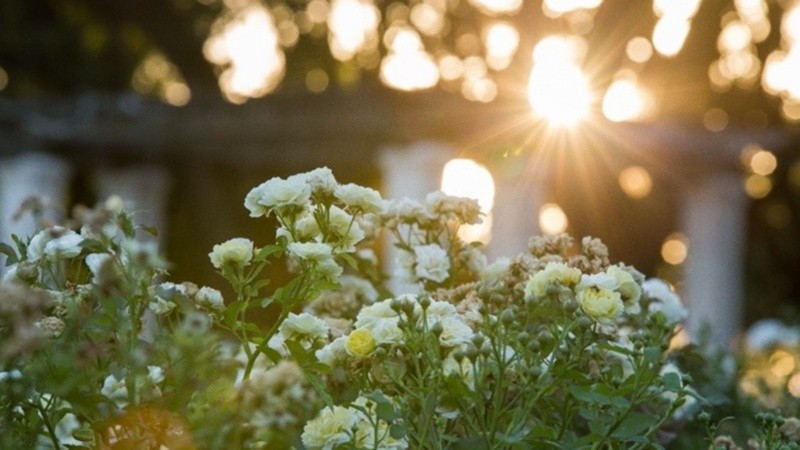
x=554, y=348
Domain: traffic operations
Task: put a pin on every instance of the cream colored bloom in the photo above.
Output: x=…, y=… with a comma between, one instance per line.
x=330, y=428
x=432, y=263
x=360, y=343
x=333, y=353
x=553, y=276
x=236, y=251
x=344, y=231
x=303, y=325
x=320, y=180
x=359, y=197
x=629, y=289
x=277, y=193
x=68, y=245
x=210, y=298
x=598, y=298
x=454, y=332
x=312, y=251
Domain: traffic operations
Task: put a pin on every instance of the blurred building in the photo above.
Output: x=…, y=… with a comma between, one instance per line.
x=649, y=191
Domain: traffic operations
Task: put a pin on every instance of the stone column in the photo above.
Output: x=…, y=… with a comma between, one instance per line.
x=31, y=175
x=517, y=200
x=412, y=172
x=714, y=220
x=145, y=191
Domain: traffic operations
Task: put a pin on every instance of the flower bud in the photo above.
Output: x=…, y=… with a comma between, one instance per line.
x=507, y=317
x=471, y=352
x=437, y=329
x=396, y=304
x=524, y=337
x=425, y=302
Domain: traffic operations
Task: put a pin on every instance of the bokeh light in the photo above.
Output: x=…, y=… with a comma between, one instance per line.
x=494, y=7
x=675, y=249
x=639, y=49
x=763, y=162
x=558, y=90
x=245, y=42
x=352, y=26
x=555, y=8
x=670, y=34
x=624, y=100
x=552, y=219
x=408, y=66
x=636, y=182
x=757, y=186
x=465, y=178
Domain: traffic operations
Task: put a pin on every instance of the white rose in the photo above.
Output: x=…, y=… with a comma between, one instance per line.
x=345, y=229
x=432, y=263
x=333, y=353
x=330, y=428
x=95, y=261
x=359, y=197
x=115, y=390
x=664, y=300
x=454, y=332
x=370, y=315
x=68, y=245
x=36, y=245
x=320, y=180
x=313, y=251
x=303, y=325
x=277, y=193
x=155, y=374
x=628, y=288
x=210, y=298
x=598, y=297
x=236, y=251
x=495, y=270
x=386, y=331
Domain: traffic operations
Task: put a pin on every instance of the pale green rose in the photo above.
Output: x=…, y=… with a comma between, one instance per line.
x=628, y=288
x=312, y=251
x=277, y=193
x=236, y=251
x=551, y=278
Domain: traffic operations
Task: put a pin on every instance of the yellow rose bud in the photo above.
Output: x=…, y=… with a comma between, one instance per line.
x=360, y=343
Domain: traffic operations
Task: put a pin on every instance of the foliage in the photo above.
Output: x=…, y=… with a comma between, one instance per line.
x=555, y=348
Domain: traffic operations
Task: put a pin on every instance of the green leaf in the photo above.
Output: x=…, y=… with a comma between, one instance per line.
x=348, y=258
x=652, y=354
x=265, y=252
x=397, y=431
x=320, y=387
x=634, y=424
x=672, y=382
x=152, y=231
x=386, y=412
x=11, y=255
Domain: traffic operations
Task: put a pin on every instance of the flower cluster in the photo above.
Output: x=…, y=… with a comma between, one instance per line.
x=556, y=347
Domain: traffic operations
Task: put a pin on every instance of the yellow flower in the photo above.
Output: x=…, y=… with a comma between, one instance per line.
x=600, y=303
x=360, y=343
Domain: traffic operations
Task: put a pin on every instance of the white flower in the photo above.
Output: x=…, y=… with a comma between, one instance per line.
x=115, y=390
x=455, y=332
x=277, y=193
x=330, y=269
x=63, y=432
x=95, y=261
x=598, y=297
x=11, y=274
x=36, y=245
x=303, y=325
x=387, y=331
x=68, y=245
x=155, y=374
x=362, y=288
x=236, y=251
x=359, y=197
x=438, y=310
x=432, y=263
x=370, y=315
x=314, y=251
x=320, y=180
x=333, y=353
x=330, y=428
x=663, y=300
x=210, y=298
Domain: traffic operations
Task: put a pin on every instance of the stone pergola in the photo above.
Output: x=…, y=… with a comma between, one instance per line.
x=128, y=141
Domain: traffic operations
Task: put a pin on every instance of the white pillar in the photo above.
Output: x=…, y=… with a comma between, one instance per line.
x=28, y=175
x=515, y=215
x=411, y=172
x=714, y=221
x=145, y=191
